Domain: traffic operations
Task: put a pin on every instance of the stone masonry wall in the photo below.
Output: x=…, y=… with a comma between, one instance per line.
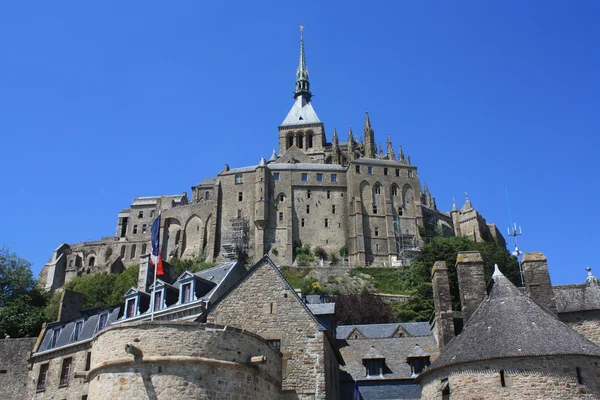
x=586, y=323
x=76, y=386
x=175, y=360
x=263, y=304
x=550, y=377
x=13, y=367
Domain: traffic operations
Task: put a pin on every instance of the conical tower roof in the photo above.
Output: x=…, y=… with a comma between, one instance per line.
x=510, y=324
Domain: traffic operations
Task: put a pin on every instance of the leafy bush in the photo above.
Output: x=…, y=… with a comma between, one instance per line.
x=192, y=265
x=320, y=252
x=363, y=308
x=344, y=251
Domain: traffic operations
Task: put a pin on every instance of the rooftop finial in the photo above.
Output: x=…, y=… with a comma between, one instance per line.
x=591, y=280
x=302, y=84
x=496, y=271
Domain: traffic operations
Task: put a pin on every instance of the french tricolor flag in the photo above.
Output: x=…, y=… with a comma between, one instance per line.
x=155, y=256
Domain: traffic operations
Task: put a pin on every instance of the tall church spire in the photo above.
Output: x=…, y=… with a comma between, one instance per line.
x=369, y=137
x=302, y=83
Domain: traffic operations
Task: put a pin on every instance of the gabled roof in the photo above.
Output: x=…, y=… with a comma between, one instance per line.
x=373, y=354
x=380, y=331
x=510, y=324
x=301, y=113
x=134, y=290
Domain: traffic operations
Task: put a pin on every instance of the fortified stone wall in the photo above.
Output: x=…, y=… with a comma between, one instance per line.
x=14, y=367
x=175, y=360
x=263, y=304
x=550, y=377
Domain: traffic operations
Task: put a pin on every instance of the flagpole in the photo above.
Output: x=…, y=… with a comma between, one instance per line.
x=155, y=272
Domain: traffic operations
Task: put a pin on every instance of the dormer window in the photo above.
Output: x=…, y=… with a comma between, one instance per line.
x=55, y=335
x=374, y=368
x=158, y=300
x=102, y=321
x=130, y=308
x=186, y=293
x=418, y=360
x=77, y=330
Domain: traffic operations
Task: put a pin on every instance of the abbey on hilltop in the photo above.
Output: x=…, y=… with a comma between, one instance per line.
x=318, y=192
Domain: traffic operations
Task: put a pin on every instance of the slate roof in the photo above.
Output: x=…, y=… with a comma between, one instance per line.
x=301, y=113
x=380, y=331
x=322, y=309
x=207, y=181
x=510, y=324
x=389, y=390
x=394, y=350
x=574, y=298
x=307, y=167
x=376, y=161
x=90, y=320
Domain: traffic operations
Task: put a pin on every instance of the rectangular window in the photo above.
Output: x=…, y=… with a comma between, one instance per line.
x=411, y=173
x=376, y=231
x=304, y=176
x=144, y=228
x=77, y=330
x=370, y=170
x=333, y=177
x=374, y=367
x=319, y=177
x=65, y=371
x=326, y=223
x=158, y=300
x=239, y=214
x=276, y=176
x=151, y=213
x=377, y=247
x=280, y=217
x=84, y=397
x=399, y=210
x=130, y=308
x=333, y=209
x=385, y=171
x=239, y=178
x=302, y=222
x=135, y=229
x=55, y=335
x=329, y=194
x=308, y=194
x=374, y=209
x=394, y=190
x=358, y=169
x=102, y=321
x=141, y=214
x=397, y=171
x=42, y=377
x=308, y=209
x=276, y=344
x=341, y=194
x=187, y=293
x=88, y=360
x=240, y=196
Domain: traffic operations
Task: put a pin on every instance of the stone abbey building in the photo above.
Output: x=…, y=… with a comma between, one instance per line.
x=314, y=190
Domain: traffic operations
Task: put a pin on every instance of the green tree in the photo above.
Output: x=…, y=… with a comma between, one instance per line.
x=21, y=302
x=362, y=308
x=104, y=289
x=192, y=265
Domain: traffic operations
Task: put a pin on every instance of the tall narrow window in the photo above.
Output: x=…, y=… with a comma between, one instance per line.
x=333, y=177
x=385, y=171
x=102, y=321
x=55, y=335
x=329, y=194
x=302, y=222
x=91, y=261
x=187, y=293
x=144, y=248
x=65, y=371
x=333, y=209
x=326, y=223
x=239, y=213
x=502, y=380
x=357, y=169
x=374, y=209
x=394, y=190
x=319, y=177
x=134, y=229
x=42, y=377
x=144, y=228
x=397, y=171
x=578, y=372
x=88, y=360
x=376, y=231
x=130, y=308
x=308, y=194
x=411, y=173
x=133, y=250
x=276, y=176
x=239, y=178
x=240, y=196
x=77, y=330
x=370, y=170
x=158, y=300
x=151, y=213
x=280, y=217
x=377, y=188
x=141, y=214
x=308, y=209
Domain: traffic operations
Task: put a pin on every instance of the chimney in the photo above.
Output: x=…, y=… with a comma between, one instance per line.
x=537, y=280
x=146, y=274
x=443, y=319
x=471, y=282
x=70, y=305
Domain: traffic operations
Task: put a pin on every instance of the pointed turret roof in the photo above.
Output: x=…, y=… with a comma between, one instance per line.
x=302, y=111
x=510, y=324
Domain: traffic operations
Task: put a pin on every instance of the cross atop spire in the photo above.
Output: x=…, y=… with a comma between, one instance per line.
x=302, y=84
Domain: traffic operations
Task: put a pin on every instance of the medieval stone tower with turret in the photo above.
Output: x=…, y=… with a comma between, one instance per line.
x=312, y=191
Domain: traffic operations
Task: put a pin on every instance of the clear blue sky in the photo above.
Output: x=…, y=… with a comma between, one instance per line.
x=102, y=102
